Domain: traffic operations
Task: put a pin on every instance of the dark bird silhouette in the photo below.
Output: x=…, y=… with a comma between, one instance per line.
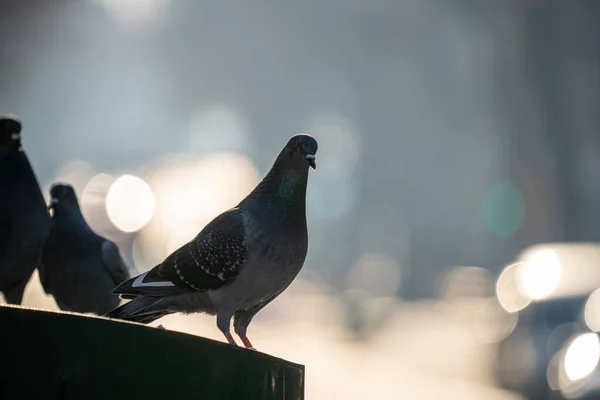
x=24, y=218
x=79, y=267
x=240, y=261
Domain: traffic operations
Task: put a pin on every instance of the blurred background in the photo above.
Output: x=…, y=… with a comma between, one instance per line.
x=453, y=215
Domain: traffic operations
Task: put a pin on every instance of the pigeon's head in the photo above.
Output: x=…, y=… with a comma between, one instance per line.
x=62, y=196
x=10, y=132
x=302, y=148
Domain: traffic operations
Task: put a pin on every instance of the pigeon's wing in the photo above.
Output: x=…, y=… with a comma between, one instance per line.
x=207, y=262
x=114, y=263
x=212, y=258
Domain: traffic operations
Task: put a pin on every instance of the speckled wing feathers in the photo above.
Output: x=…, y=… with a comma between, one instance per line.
x=207, y=262
x=212, y=258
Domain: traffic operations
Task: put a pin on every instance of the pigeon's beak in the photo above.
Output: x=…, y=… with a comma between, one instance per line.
x=312, y=161
x=53, y=201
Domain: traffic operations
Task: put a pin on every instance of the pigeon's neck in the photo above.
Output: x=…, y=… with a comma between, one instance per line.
x=69, y=213
x=6, y=141
x=12, y=146
x=282, y=192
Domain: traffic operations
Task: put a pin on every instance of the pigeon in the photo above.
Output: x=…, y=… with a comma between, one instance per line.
x=79, y=267
x=242, y=260
x=24, y=218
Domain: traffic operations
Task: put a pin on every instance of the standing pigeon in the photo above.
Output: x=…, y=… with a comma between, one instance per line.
x=79, y=268
x=241, y=260
x=24, y=219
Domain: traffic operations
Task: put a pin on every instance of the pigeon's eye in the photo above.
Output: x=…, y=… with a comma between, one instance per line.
x=296, y=148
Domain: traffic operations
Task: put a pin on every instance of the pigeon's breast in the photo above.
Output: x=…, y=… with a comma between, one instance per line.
x=281, y=243
x=274, y=259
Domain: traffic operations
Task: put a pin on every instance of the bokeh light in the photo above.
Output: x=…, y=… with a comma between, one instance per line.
x=129, y=203
x=592, y=311
x=508, y=292
x=93, y=202
x=561, y=334
x=376, y=274
x=494, y=323
x=540, y=274
x=553, y=371
x=582, y=356
x=503, y=209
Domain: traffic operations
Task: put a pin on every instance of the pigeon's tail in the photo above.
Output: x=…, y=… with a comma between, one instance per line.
x=147, y=284
x=141, y=309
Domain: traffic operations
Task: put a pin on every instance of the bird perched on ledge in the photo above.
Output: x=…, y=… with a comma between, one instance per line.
x=24, y=218
x=79, y=267
x=241, y=260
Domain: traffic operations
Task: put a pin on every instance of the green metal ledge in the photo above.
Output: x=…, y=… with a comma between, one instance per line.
x=67, y=356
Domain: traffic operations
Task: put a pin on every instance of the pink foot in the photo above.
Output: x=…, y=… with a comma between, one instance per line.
x=247, y=343
x=230, y=339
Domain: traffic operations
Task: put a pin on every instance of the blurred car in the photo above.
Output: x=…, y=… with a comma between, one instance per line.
x=554, y=350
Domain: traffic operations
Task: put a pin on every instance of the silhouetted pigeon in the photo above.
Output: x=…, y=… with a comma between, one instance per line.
x=24, y=219
x=240, y=261
x=79, y=267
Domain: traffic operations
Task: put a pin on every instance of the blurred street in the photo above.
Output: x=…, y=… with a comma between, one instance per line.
x=429, y=349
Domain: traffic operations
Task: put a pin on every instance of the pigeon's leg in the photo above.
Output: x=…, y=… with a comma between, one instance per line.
x=241, y=332
x=247, y=343
x=223, y=323
x=240, y=325
x=245, y=340
x=230, y=339
x=244, y=317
